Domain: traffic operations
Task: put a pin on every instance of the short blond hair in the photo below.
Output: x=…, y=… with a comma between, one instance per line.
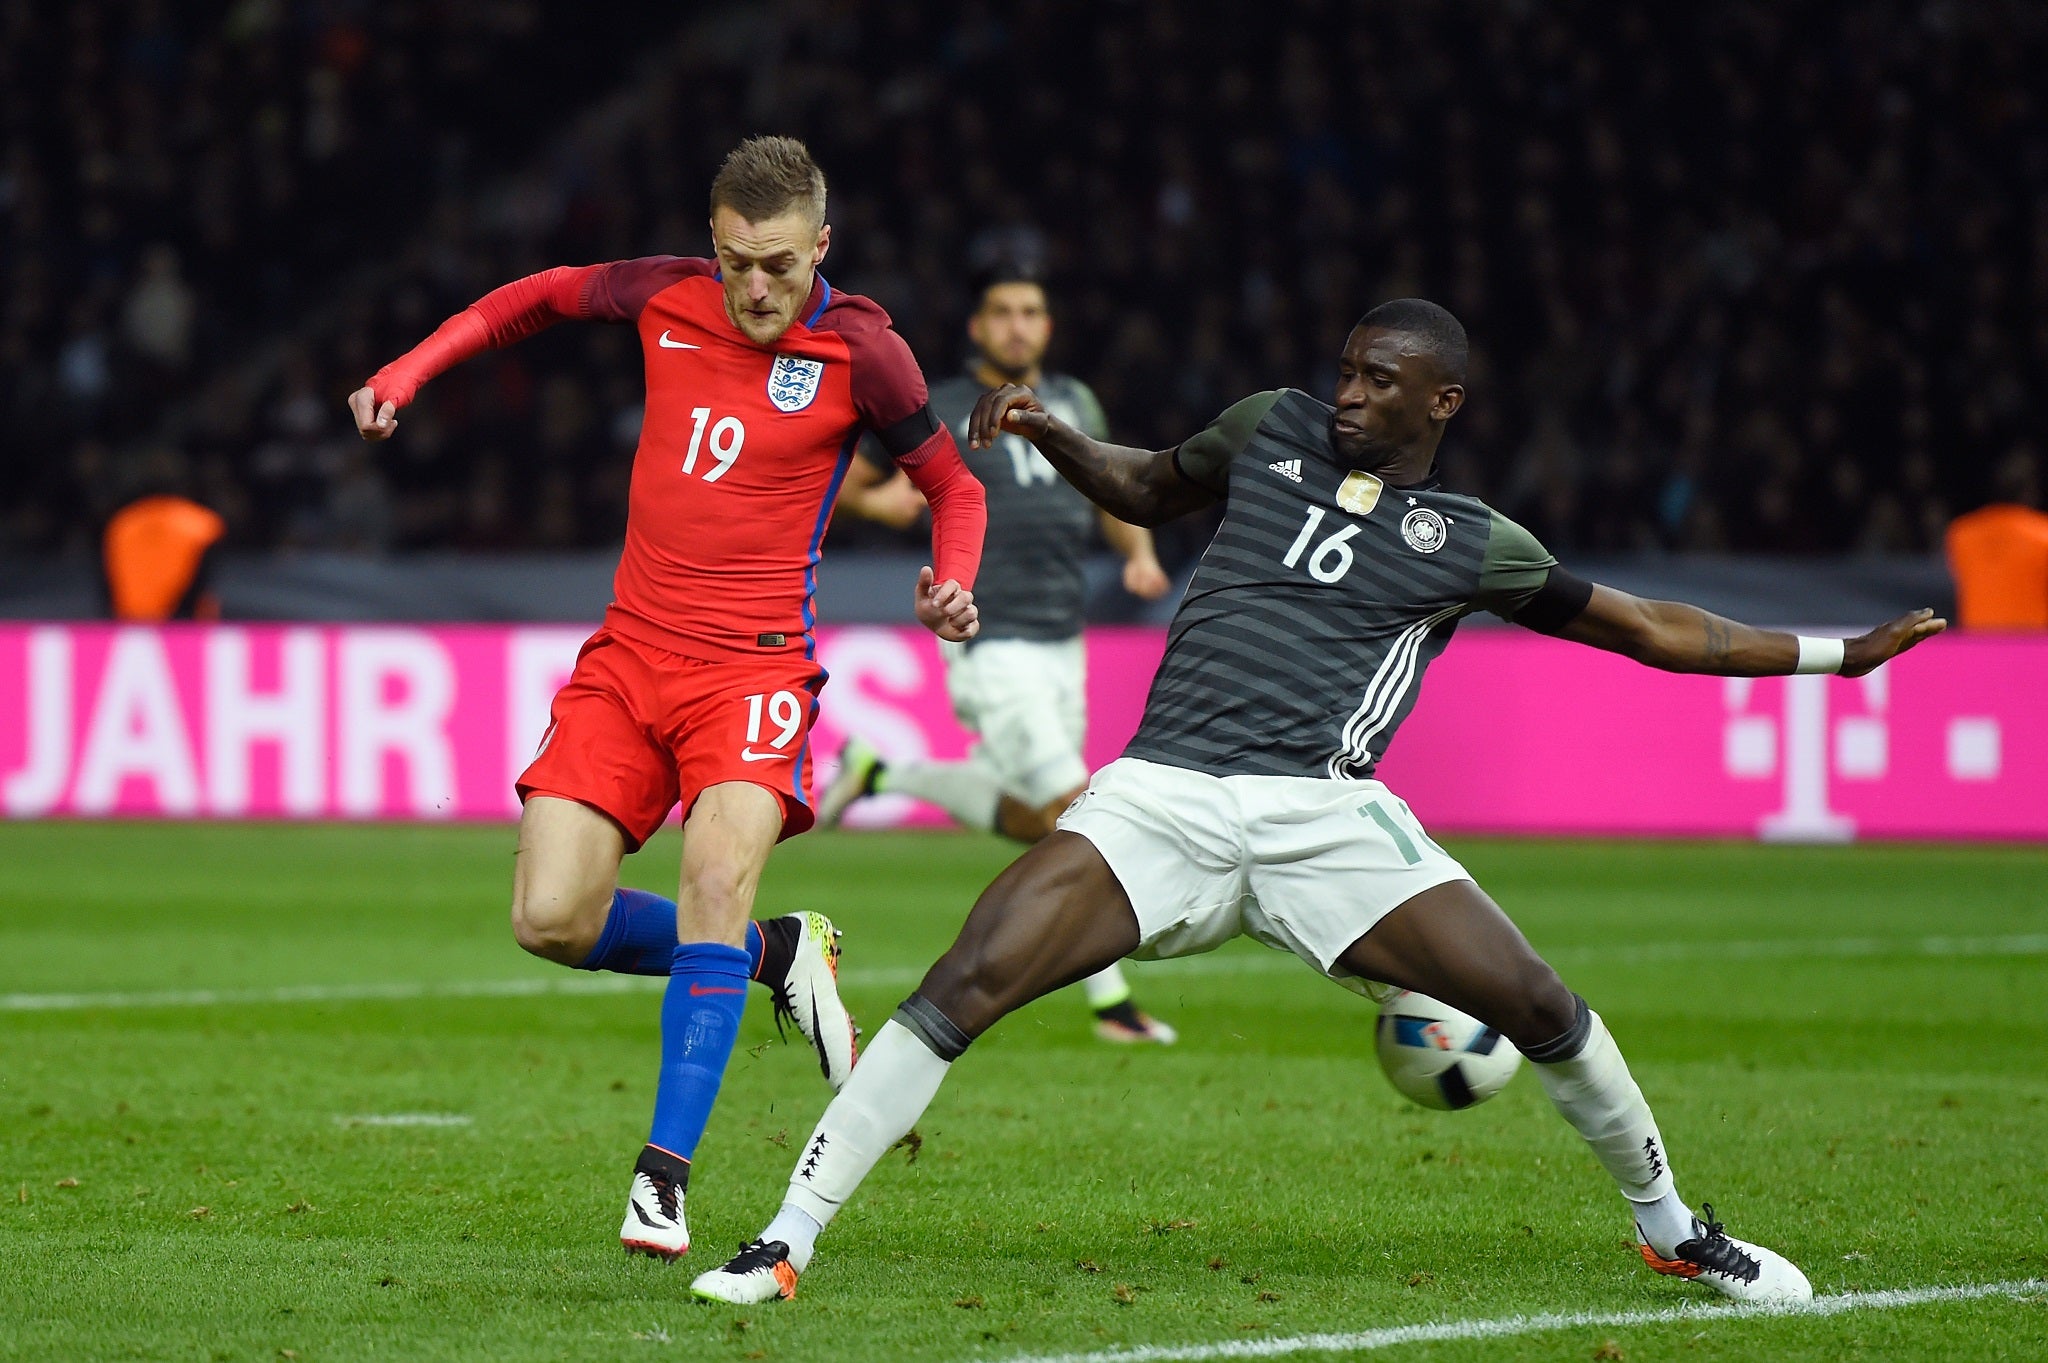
x=765, y=177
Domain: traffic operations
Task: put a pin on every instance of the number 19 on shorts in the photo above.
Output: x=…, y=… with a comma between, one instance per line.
x=780, y=711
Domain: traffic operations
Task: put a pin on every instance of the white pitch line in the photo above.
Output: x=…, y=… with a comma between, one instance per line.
x=406, y=1119
x=332, y=993
x=1502, y=1327
x=903, y=977
x=2018, y=944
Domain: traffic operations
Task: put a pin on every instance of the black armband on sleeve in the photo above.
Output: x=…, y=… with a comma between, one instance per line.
x=906, y=435
x=1559, y=601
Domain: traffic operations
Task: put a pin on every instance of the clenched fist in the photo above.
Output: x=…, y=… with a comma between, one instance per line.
x=946, y=608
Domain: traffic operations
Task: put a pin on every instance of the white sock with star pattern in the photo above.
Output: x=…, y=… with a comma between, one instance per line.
x=892, y=1084
x=1591, y=1088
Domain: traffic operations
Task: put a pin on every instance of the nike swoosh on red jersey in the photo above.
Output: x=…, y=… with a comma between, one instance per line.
x=698, y=991
x=749, y=755
x=667, y=344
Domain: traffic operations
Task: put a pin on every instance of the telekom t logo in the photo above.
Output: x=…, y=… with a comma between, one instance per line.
x=1808, y=749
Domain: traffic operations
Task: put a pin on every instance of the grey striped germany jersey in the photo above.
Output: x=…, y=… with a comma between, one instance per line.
x=1031, y=584
x=1302, y=640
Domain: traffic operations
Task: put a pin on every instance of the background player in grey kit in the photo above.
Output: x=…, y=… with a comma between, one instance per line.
x=1245, y=804
x=1021, y=686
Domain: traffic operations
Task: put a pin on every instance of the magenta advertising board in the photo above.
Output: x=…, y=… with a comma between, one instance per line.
x=1514, y=733
x=392, y=722
x=1517, y=733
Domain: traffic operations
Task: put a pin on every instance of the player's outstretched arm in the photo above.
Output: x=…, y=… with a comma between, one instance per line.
x=502, y=316
x=1143, y=487
x=1680, y=638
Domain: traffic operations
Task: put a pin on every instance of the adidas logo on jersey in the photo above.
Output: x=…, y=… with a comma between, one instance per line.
x=1290, y=469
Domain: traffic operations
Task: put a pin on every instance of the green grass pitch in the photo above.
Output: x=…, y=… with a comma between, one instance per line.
x=185, y=1180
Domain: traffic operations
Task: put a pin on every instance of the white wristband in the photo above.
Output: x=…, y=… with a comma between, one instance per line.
x=1819, y=655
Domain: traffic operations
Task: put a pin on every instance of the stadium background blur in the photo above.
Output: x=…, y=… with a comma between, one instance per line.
x=1740, y=276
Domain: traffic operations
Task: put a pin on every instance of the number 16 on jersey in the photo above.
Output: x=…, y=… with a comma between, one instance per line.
x=1332, y=558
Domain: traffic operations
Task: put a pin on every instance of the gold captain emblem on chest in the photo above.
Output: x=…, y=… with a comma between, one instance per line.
x=1359, y=493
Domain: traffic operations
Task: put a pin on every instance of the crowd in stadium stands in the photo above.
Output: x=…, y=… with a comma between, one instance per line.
x=1739, y=275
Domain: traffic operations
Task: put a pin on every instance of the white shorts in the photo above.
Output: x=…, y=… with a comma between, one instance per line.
x=1026, y=699
x=1303, y=864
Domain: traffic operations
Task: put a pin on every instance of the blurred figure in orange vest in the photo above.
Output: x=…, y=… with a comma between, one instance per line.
x=1998, y=554
x=154, y=557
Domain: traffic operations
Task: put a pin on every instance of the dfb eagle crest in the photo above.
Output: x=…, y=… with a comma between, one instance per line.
x=1424, y=530
x=793, y=382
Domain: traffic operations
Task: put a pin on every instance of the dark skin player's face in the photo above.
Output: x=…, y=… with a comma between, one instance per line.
x=1393, y=399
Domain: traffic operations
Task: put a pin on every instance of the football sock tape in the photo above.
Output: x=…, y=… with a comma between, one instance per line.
x=673, y=1167
x=1567, y=1044
x=933, y=1028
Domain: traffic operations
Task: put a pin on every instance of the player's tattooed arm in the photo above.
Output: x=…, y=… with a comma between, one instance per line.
x=1720, y=639
x=1680, y=638
x=1143, y=487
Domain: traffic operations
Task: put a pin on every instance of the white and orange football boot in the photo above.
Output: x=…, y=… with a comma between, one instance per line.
x=760, y=1272
x=1734, y=1268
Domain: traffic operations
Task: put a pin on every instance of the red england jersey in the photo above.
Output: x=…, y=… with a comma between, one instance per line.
x=743, y=447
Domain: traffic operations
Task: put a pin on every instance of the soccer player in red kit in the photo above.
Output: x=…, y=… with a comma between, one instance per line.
x=702, y=685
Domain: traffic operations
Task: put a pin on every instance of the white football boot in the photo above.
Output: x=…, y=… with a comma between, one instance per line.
x=654, y=1217
x=1734, y=1268
x=808, y=997
x=855, y=780
x=760, y=1272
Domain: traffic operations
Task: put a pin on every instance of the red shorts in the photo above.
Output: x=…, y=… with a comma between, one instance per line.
x=639, y=729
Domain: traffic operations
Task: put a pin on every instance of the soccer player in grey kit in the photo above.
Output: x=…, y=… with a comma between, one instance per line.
x=1020, y=685
x=1246, y=802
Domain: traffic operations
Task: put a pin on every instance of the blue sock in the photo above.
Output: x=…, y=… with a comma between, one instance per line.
x=700, y=1017
x=639, y=937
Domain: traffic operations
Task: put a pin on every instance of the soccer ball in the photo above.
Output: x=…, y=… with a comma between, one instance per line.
x=1440, y=1057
